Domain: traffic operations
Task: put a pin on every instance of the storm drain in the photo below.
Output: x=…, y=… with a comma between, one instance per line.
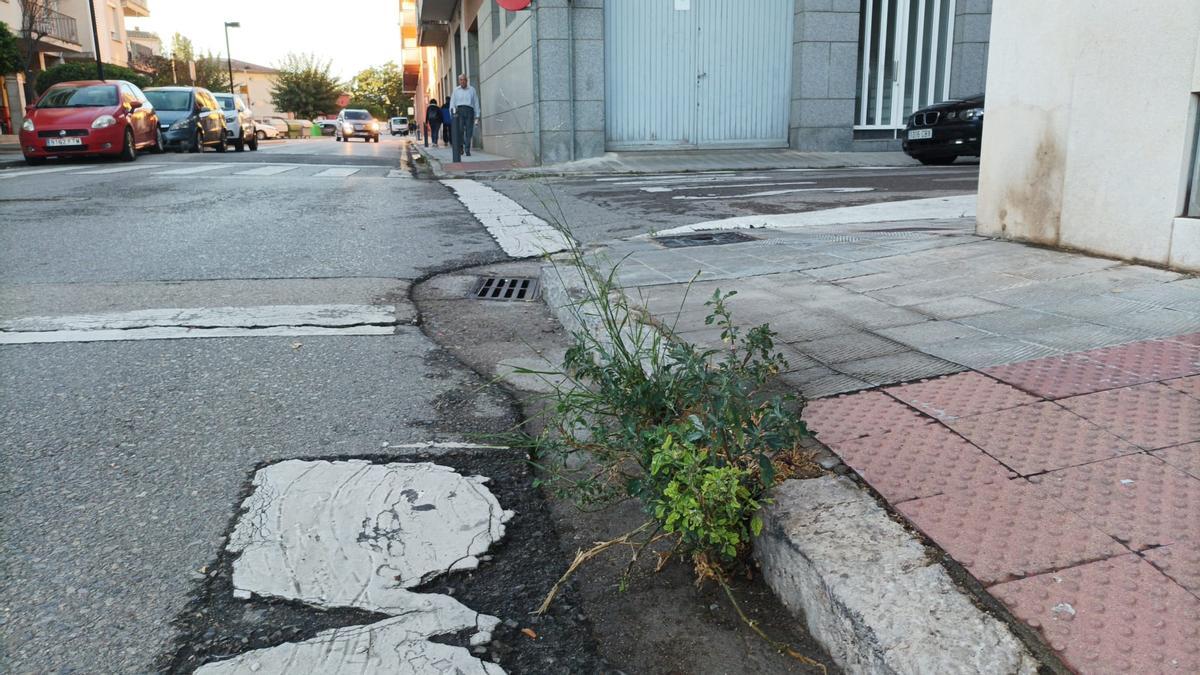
x=505, y=289
x=703, y=239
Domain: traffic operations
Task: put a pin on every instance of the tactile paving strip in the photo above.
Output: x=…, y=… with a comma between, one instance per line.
x=868, y=413
x=1008, y=530
x=1180, y=561
x=1111, y=616
x=1189, y=339
x=919, y=462
x=961, y=395
x=1060, y=376
x=1188, y=385
x=1186, y=458
x=1151, y=359
x=1149, y=415
x=1040, y=437
x=1139, y=500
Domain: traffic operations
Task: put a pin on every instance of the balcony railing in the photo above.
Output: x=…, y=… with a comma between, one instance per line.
x=58, y=26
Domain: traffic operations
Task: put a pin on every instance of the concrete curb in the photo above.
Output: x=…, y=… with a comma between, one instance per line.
x=870, y=592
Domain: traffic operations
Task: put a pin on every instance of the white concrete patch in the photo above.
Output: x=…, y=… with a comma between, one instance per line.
x=268, y=170
x=398, y=173
x=165, y=324
x=661, y=176
x=446, y=445
x=189, y=170
x=390, y=647
x=772, y=193
x=518, y=232
x=119, y=169
x=356, y=534
x=723, y=187
x=339, y=172
x=936, y=208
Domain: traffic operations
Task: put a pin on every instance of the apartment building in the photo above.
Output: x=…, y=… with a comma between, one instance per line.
x=569, y=79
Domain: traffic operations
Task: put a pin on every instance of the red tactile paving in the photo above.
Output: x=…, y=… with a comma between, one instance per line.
x=1111, y=616
x=1151, y=359
x=961, y=395
x=919, y=462
x=1040, y=437
x=1137, y=499
x=1186, y=458
x=1188, y=385
x=865, y=414
x=1008, y=530
x=1189, y=339
x=1059, y=376
x=1180, y=561
x=1150, y=415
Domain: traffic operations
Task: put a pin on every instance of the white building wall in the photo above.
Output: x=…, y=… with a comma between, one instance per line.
x=1090, y=111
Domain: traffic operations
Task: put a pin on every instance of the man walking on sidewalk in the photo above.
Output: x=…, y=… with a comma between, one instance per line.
x=464, y=102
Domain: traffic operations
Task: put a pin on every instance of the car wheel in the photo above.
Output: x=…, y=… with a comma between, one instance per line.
x=221, y=145
x=252, y=143
x=937, y=161
x=376, y=139
x=35, y=161
x=160, y=146
x=260, y=135
x=197, y=142
x=128, y=150
x=239, y=145
x=337, y=138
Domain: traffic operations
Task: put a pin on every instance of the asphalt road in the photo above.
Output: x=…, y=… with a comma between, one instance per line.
x=123, y=462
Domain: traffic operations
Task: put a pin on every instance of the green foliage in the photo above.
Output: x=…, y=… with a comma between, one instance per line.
x=305, y=87
x=10, y=53
x=693, y=434
x=211, y=73
x=86, y=70
x=381, y=90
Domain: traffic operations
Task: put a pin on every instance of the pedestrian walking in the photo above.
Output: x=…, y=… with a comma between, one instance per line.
x=447, y=121
x=465, y=104
x=433, y=122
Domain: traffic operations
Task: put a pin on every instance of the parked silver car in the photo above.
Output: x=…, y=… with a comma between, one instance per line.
x=239, y=121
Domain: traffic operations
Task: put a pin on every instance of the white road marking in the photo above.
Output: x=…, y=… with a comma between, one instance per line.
x=268, y=170
x=934, y=208
x=520, y=233
x=174, y=323
x=661, y=176
x=339, y=172
x=34, y=172
x=398, y=173
x=117, y=169
x=188, y=170
x=772, y=193
x=737, y=186
x=683, y=180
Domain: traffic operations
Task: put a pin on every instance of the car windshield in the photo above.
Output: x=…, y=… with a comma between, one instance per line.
x=226, y=102
x=358, y=115
x=170, y=100
x=397, y=120
x=87, y=96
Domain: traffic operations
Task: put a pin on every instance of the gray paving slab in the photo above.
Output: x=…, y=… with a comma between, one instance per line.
x=1156, y=322
x=851, y=347
x=1068, y=337
x=931, y=332
x=989, y=351
x=900, y=367
x=957, y=307
x=1009, y=321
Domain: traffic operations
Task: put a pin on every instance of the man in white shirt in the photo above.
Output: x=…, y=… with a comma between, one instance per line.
x=464, y=105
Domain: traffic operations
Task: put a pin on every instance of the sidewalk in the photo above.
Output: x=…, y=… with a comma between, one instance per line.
x=440, y=160
x=10, y=151
x=742, y=159
x=1036, y=413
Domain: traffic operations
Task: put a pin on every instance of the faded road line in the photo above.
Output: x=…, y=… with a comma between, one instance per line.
x=520, y=233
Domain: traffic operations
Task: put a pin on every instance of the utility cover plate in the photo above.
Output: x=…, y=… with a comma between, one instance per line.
x=703, y=239
x=505, y=289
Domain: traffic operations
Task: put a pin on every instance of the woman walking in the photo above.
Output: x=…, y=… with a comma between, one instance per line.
x=433, y=122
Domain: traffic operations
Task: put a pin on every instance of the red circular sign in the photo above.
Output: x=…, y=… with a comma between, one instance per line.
x=513, y=5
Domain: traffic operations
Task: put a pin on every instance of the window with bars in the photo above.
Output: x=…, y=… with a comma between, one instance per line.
x=904, y=59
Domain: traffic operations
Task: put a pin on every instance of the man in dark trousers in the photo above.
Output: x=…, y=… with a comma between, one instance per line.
x=464, y=102
x=433, y=122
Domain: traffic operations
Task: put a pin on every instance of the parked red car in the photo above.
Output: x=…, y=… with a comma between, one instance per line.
x=92, y=117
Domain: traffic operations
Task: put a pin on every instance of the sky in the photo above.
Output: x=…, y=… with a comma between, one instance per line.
x=354, y=34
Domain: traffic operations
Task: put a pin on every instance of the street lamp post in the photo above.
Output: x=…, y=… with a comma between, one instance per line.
x=228, y=57
x=96, y=40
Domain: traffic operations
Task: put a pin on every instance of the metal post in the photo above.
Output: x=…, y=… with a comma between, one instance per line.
x=228, y=56
x=96, y=40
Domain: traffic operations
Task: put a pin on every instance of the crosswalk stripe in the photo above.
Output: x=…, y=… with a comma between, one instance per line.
x=268, y=170
x=118, y=169
x=194, y=169
x=34, y=172
x=340, y=172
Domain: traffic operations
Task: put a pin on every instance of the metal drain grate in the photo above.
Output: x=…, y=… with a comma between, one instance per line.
x=505, y=288
x=703, y=239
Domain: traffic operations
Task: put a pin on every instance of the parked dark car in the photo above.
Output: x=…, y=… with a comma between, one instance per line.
x=189, y=117
x=89, y=117
x=943, y=132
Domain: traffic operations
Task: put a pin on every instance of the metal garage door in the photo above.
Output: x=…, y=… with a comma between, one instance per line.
x=697, y=73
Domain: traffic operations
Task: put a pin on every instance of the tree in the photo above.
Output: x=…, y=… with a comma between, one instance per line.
x=211, y=73
x=37, y=22
x=305, y=87
x=377, y=111
x=381, y=90
x=181, y=48
x=10, y=52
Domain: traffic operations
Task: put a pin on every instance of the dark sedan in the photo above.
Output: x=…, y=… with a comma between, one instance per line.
x=943, y=132
x=190, y=118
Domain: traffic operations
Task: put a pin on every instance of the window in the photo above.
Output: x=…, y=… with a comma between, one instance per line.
x=1191, y=204
x=904, y=59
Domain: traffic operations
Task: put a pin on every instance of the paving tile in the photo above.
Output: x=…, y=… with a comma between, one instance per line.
x=919, y=462
x=1015, y=320
x=1187, y=385
x=1008, y=530
x=960, y=395
x=1139, y=500
x=1149, y=415
x=869, y=413
x=989, y=351
x=842, y=348
x=1151, y=359
x=957, y=308
x=836, y=383
x=1111, y=616
x=1157, y=322
x=1061, y=376
x=1072, y=337
x=930, y=332
x=1179, y=561
x=1040, y=437
x=1187, y=339
x=895, y=368
x=1186, y=458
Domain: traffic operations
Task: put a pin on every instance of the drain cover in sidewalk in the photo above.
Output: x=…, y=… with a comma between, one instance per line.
x=703, y=239
x=505, y=288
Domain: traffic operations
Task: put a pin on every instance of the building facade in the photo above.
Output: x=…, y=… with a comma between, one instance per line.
x=254, y=83
x=571, y=79
x=1093, y=138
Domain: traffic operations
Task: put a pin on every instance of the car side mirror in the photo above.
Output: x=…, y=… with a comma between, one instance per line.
x=134, y=104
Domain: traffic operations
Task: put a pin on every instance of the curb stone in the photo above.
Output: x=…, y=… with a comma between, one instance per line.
x=869, y=590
